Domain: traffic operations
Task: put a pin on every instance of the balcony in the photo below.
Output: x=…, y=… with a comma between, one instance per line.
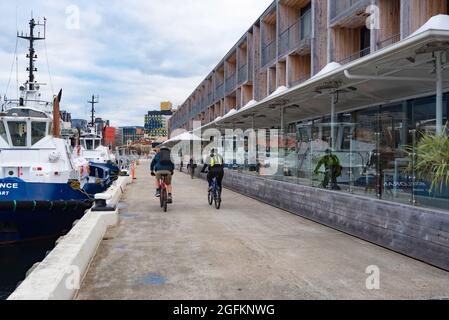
x=297, y=36
x=355, y=56
x=348, y=13
x=231, y=83
x=219, y=92
x=243, y=74
x=388, y=42
x=268, y=53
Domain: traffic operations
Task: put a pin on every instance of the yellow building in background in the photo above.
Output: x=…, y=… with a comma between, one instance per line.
x=166, y=106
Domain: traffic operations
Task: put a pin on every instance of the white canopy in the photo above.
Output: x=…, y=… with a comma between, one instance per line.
x=187, y=136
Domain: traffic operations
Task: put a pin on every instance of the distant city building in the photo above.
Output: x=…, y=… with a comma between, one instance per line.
x=166, y=106
x=119, y=137
x=79, y=124
x=66, y=116
x=100, y=124
x=132, y=134
x=110, y=137
x=156, y=122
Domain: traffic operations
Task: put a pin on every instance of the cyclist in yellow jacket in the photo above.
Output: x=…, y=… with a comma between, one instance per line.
x=216, y=169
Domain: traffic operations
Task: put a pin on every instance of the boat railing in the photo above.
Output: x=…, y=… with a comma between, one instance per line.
x=14, y=103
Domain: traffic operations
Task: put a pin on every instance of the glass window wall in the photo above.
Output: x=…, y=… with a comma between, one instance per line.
x=375, y=153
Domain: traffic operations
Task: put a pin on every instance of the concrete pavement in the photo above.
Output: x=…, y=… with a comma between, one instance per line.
x=247, y=250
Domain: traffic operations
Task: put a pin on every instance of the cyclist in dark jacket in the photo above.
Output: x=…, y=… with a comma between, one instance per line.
x=163, y=165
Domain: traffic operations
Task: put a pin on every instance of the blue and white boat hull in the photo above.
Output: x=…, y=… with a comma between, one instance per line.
x=37, y=210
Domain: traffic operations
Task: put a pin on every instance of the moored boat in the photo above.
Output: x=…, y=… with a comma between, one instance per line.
x=41, y=180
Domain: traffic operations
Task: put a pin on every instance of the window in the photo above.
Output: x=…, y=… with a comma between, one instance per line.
x=18, y=131
x=365, y=40
x=89, y=144
x=3, y=131
x=38, y=130
x=306, y=21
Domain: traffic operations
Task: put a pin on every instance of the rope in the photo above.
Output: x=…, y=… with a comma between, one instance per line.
x=48, y=67
x=12, y=67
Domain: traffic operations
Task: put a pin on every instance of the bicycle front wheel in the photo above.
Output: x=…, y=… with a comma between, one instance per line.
x=218, y=199
x=211, y=198
x=217, y=203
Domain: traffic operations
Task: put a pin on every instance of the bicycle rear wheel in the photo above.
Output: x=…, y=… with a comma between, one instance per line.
x=217, y=203
x=165, y=202
x=162, y=198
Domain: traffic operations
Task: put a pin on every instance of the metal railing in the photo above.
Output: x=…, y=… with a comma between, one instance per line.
x=268, y=53
x=388, y=42
x=250, y=67
x=210, y=99
x=243, y=74
x=355, y=56
x=293, y=38
x=341, y=8
x=296, y=82
x=231, y=83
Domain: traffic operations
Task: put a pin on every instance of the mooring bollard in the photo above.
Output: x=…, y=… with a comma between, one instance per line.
x=101, y=203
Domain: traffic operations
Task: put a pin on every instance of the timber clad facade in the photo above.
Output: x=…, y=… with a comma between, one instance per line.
x=292, y=41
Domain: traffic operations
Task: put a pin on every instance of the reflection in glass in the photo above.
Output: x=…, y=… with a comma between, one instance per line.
x=38, y=131
x=3, y=132
x=374, y=154
x=18, y=132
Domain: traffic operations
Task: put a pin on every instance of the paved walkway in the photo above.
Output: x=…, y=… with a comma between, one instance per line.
x=247, y=250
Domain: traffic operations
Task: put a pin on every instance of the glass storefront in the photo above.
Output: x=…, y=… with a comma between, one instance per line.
x=370, y=152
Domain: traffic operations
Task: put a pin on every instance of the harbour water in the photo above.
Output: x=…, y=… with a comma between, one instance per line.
x=16, y=260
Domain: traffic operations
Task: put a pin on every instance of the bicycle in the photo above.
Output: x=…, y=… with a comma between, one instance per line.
x=215, y=194
x=164, y=193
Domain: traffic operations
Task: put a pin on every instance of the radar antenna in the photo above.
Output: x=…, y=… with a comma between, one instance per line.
x=31, y=37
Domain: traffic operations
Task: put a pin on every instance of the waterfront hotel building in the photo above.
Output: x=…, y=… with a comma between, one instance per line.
x=356, y=81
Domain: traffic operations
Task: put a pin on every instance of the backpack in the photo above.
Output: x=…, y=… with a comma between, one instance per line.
x=165, y=157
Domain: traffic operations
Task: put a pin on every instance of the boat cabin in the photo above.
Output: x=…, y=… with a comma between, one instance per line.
x=90, y=142
x=23, y=128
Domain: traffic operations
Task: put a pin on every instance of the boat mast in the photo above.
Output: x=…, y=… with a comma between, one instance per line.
x=32, y=53
x=93, y=102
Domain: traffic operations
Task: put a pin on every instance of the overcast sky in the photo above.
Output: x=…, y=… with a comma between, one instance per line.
x=132, y=55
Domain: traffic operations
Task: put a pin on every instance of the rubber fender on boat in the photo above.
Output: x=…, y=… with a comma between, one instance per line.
x=45, y=205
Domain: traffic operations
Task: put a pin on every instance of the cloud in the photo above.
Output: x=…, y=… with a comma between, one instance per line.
x=133, y=54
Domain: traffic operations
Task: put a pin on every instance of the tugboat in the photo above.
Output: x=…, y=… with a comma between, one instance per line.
x=41, y=181
x=102, y=162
